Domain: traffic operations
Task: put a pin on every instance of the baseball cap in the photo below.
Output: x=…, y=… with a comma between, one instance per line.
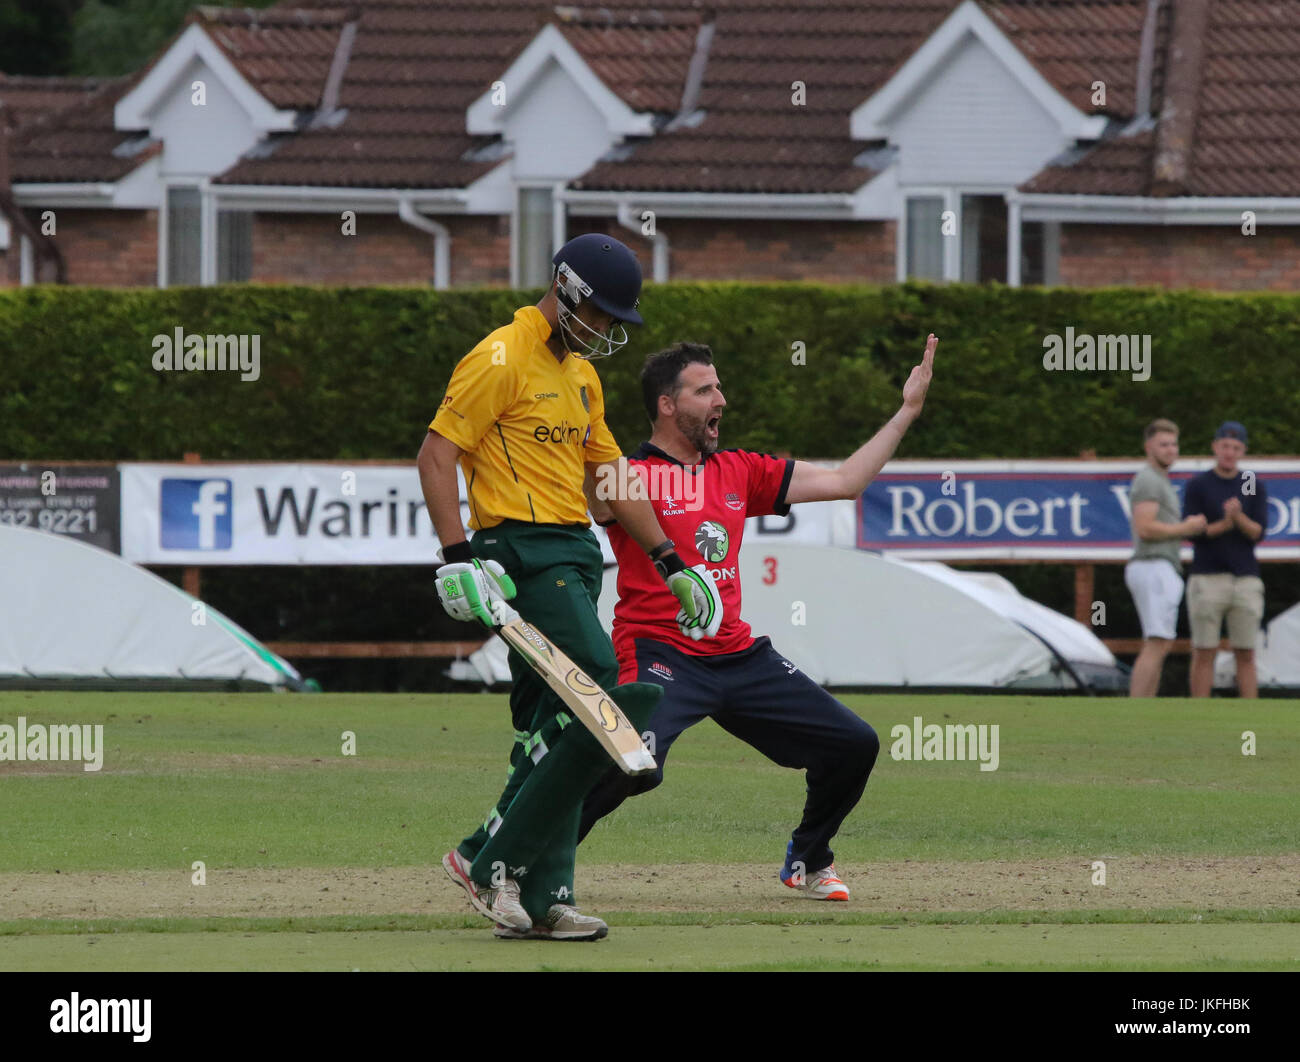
x=1231, y=429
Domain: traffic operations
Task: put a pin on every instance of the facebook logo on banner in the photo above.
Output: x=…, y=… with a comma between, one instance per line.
x=196, y=513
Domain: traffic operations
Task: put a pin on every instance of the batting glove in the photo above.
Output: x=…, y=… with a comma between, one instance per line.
x=701, y=613
x=474, y=590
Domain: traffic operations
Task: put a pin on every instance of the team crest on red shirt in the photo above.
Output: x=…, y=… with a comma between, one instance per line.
x=712, y=541
x=734, y=502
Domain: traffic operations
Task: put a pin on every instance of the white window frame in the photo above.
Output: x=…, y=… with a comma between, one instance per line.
x=951, y=248
x=559, y=222
x=207, y=230
x=951, y=196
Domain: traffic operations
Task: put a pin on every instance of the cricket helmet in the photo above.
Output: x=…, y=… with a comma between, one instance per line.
x=596, y=268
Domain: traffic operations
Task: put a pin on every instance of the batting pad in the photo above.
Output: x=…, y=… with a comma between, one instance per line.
x=556, y=786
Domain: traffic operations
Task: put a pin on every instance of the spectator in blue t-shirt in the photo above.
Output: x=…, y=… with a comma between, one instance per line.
x=1224, y=580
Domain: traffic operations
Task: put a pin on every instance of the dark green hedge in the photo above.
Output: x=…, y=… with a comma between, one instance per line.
x=357, y=373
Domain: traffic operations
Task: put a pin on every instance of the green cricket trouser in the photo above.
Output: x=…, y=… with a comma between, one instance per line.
x=557, y=572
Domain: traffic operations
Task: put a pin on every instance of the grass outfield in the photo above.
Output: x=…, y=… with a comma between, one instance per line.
x=672, y=948
x=317, y=860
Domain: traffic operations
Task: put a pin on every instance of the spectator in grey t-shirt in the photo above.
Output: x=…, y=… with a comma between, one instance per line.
x=1155, y=575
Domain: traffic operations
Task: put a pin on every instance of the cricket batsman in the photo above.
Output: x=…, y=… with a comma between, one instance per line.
x=524, y=417
x=741, y=683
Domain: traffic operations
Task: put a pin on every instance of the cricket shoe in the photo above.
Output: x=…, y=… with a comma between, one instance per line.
x=824, y=884
x=562, y=923
x=501, y=904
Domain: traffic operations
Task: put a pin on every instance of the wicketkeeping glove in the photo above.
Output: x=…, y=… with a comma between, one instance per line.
x=701, y=613
x=474, y=590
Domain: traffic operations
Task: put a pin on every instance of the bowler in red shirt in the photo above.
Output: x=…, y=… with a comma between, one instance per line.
x=702, y=496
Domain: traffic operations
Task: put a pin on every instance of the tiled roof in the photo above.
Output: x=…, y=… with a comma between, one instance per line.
x=25, y=98
x=285, y=53
x=643, y=57
x=416, y=65
x=1246, y=138
x=753, y=136
x=1120, y=166
x=66, y=130
x=414, y=68
x=1075, y=43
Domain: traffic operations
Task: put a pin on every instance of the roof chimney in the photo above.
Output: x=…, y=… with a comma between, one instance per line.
x=1177, y=125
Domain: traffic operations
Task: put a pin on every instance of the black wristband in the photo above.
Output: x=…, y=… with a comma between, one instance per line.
x=666, y=546
x=669, y=563
x=457, y=553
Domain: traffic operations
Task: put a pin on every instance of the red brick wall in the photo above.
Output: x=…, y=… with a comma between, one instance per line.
x=721, y=249
x=107, y=248
x=311, y=249
x=120, y=248
x=480, y=250
x=1181, y=256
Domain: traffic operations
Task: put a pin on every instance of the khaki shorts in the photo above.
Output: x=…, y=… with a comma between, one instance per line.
x=1212, y=597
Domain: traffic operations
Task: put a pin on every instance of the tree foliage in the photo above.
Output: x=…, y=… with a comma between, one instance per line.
x=115, y=37
x=36, y=36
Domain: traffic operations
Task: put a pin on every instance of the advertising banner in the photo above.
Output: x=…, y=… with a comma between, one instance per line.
x=276, y=514
x=1048, y=510
x=79, y=501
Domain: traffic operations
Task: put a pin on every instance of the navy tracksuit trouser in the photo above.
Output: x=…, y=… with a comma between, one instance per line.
x=767, y=702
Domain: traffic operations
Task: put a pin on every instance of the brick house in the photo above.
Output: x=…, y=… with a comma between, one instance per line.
x=1081, y=143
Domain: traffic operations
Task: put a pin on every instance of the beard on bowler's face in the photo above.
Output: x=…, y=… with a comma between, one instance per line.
x=695, y=431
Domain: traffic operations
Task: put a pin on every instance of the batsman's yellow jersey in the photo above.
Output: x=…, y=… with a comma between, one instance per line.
x=527, y=423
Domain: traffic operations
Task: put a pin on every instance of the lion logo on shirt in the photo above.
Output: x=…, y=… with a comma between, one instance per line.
x=712, y=541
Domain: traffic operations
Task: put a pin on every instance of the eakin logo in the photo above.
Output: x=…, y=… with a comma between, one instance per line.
x=562, y=434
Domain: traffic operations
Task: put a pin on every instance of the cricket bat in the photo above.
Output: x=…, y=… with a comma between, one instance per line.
x=591, y=704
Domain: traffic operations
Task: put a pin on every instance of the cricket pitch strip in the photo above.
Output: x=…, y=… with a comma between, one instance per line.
x=1133, y=882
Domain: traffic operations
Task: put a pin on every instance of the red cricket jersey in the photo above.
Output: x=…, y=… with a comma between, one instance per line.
x=703, y=509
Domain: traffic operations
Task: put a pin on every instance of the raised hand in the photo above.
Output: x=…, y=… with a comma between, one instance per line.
x=918, y=383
